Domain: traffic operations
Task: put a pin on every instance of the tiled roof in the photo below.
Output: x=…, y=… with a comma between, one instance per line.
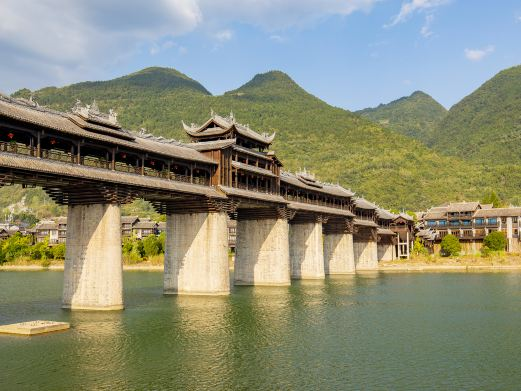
x=362, y=203
x=385, y=214
x=365, y=223
x=224, y=125
x=324, y=188
x=61, y=122
x=301, y=206
x=256, y=170
x=499, y=212
x=232, y=191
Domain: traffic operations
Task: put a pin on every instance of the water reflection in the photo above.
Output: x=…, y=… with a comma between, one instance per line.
x=367, y=331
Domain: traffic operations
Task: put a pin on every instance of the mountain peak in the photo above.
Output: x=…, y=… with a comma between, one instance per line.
x=415, y=115
x=161, y=78
x=269, y=83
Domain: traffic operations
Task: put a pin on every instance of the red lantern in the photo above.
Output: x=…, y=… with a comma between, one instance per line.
x=152, y=163
x=10, y=135
x=53, y=141
x=124, y=155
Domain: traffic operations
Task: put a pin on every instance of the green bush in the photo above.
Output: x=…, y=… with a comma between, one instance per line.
x=15, y=247
x=418, y=248
x=450, y=246
x=58, y=251
x=495, y=241
x=41, y=250
x=151, y=246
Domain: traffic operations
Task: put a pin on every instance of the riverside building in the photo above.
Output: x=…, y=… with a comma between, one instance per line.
x=470, y=222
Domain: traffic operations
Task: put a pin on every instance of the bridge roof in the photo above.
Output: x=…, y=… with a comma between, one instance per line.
x=365, y=223
x=233, y=191
x=303, y=182
x=362, y=203
x=31, y=164
x=301, y=206
x=36, y=115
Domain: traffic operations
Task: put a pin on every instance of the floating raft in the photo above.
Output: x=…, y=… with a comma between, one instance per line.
x=34, y=327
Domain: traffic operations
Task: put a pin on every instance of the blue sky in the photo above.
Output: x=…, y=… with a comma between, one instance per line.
x=350, y=53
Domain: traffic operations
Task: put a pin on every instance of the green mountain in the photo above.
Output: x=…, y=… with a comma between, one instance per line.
x=339, y=146
x=486, y=125
x=415, y=116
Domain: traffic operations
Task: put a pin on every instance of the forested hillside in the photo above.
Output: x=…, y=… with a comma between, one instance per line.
x=416, y=116
x=486, y=125
x=339, y=146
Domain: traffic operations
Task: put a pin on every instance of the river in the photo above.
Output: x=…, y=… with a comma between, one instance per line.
x=401, y=331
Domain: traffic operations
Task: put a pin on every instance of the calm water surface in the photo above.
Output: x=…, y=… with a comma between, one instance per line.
x=372, y=331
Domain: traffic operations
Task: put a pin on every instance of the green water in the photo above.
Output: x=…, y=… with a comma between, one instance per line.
x=434, y=331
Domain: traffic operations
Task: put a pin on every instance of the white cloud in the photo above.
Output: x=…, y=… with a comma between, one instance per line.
x=478, y=54
x=63, y=41
x=277, y=38
x=518, y=19
x=223, y=35
x=426, y=28
x=413, y=6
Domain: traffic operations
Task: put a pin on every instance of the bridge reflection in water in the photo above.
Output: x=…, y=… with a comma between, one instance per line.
x=289, y=226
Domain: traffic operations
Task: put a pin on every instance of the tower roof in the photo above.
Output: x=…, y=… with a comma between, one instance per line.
x=219, y=126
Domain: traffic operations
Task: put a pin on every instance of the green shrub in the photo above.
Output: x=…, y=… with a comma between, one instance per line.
x=58, y=251
x=15, y=247
x=495, y=241
x=418, y=248
x=450, y=246
x=41, y=250
x=151, y=246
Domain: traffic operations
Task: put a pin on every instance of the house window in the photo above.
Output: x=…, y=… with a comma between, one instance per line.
x=492, y=221
x=503, y=220
x=479, y=221
x=442, y=222
x=514, y=220
x=431, y=223
x=465, y=222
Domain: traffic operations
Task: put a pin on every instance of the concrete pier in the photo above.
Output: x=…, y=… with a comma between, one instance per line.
x=366, y=255
x=196, y=254
x=306, y=250
x=339, y=257
x=385, y=251
x=262, y=252
x=93, y=273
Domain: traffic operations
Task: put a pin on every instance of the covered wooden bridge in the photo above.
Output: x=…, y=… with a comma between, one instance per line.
x=288, y=225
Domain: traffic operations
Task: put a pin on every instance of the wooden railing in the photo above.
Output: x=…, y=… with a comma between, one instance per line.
x=99, y=162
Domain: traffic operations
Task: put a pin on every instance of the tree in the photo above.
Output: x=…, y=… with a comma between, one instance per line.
x=58, y=251
x=15, y=247
x=418, y=248
x=151, y=245
x=495, y=241
x=450, y=246
x=492, y=198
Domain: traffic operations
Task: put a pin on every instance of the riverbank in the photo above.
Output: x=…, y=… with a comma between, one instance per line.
x=460, y=263
x=59, y=267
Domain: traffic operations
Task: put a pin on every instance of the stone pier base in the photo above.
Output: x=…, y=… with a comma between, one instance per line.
x=196, y=254
x=306, y=250
x=339, y=257
x=366, y=255
x=385, y=251
x=93, y=273
x=262, y=252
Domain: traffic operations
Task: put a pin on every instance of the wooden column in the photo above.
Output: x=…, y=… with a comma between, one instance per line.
x=113, y=165
x=38, y=146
